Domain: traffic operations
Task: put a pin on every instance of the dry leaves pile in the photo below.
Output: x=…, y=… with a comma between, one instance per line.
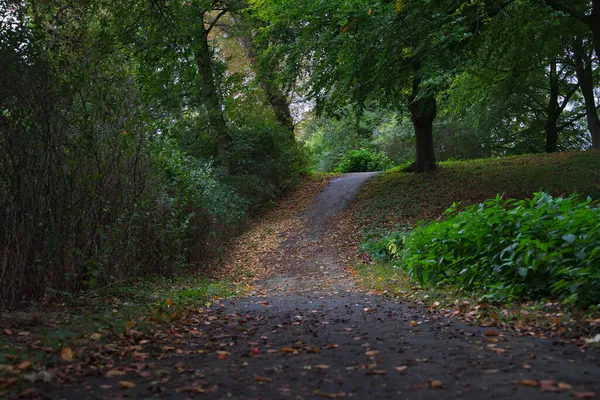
x=244, y=261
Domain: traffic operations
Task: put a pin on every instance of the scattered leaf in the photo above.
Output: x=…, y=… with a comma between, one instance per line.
x=66, y=354
x=126, y=385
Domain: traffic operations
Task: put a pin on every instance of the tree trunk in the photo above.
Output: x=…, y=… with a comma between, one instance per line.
x=423, y=111
x=592, y=20
x=210, y=99
x=275, y=96
x=553, y=111
x=585, y=79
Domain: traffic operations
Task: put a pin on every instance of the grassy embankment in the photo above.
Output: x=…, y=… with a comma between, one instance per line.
x=396, y=202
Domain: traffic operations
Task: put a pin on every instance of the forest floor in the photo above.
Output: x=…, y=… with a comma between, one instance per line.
x=309, y=329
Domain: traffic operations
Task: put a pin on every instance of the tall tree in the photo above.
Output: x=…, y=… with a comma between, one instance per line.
x=585, y=12
x=351, y=52
x=585, y=79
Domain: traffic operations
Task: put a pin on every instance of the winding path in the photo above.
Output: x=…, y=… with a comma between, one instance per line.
x=310, y=333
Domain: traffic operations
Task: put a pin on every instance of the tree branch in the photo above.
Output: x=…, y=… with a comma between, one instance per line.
x=559, y=6
x=214, y=21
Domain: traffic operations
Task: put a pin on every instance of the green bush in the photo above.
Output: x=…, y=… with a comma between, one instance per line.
x=363, y=160
x=507, y=249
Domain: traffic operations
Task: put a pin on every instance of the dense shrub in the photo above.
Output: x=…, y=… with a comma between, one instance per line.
x=267, y=161
x=363, y=160
x=506, y=249
x=99, y=182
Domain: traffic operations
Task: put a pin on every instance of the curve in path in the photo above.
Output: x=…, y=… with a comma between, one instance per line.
x=314, y=335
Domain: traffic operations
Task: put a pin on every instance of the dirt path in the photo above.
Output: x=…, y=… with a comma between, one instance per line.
x=310, y=333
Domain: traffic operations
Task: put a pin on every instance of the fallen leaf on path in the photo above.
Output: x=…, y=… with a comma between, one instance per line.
x=66, y=354
x=262, y=379
x=528, y=382
x=24, y=365
x=192, y=389
x=333, y=395
x=549, y=385
x=372, y=353
x=564, y=386
x=491, y=333
x=322, y=366
x=114, y=373
x=498, y=350
x=435, y=384
x=583, y=395
x=126, y=385
x=401, y=368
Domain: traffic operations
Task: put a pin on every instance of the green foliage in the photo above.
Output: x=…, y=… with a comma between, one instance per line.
x=363, y=160
x=108, y=165
x=507, y=249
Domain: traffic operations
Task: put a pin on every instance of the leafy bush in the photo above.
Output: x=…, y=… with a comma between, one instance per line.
x=363, y=160
x=506, y=249
x=268, y=161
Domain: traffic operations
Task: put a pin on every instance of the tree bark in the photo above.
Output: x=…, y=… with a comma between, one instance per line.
x=423, y=111
x=211, y=101
x=275, y=96
x=585, y=79
x=552, y=111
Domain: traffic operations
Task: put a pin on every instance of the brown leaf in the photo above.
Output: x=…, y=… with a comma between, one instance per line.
x=435, y=384
x=262, y=379
x=192, y=389
x=24, y=365
x=378, y=371
x=498, y=350
x=583, y=395
x=114, y=373
x=66, y=354
x=401, y=368
x=372, y=353
x=333, y=395
x=126, y=385
x=322, y=366
x=564, y=386
x=491, y=333
x=528, y=382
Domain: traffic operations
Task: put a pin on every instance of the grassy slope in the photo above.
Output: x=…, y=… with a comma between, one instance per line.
x=400, y=199
x=395, y=200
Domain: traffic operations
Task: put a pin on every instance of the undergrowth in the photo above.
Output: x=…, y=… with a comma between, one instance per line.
x=507, y=249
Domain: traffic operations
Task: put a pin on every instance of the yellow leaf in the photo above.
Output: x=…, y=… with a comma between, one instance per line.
x=66, y=354
x=399, y=6
x=126, y=384
x=24, y=365
x=168, y=302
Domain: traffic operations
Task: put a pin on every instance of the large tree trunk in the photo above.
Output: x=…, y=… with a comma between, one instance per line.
x=585, y=79
x=275, y=96
x=553, y=111
x=210, y=99
x=423, y=110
